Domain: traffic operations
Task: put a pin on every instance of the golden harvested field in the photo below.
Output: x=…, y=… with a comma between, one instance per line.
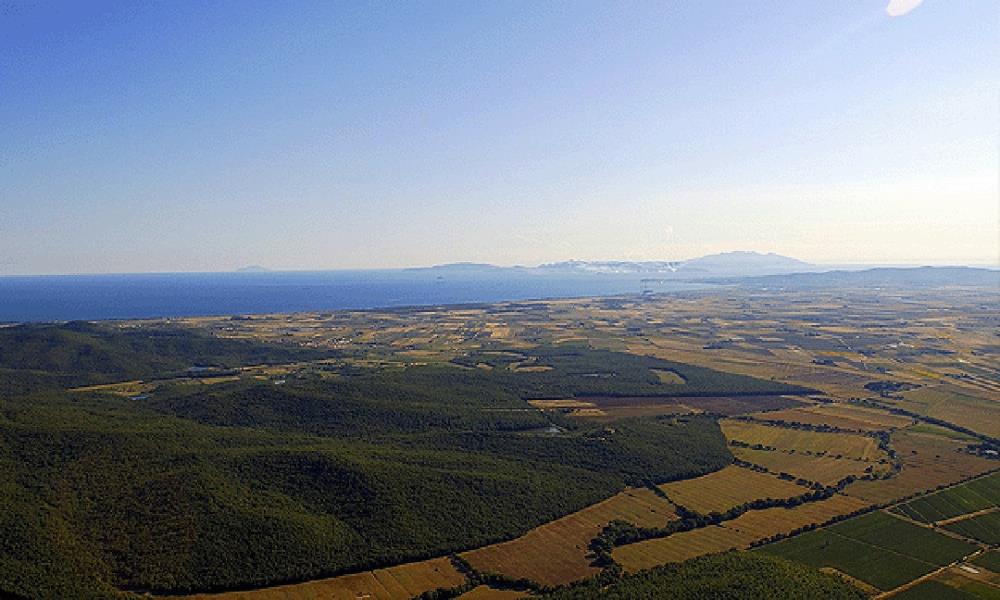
x=564, y=403
x=770, y=521
x=556, y=553
x=732, y=486
x=401, y=582
x=484, y=592
x=124, y=388
x=679, y=547
x=928, y=461
x=955, y=405
x=669, y=377
x=738, y=533
x=839, y=415
x=823, y=469
x=832, y=444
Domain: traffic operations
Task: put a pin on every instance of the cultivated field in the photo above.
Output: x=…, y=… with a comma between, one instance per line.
x=878, y=549
x=732, y=486
x=737, y=533
x=928, y=461
x=826, y=470
x=557, y=552
x=969, y=408
x=401, y=582
x=984, y=527
x=820, y=443
x=840, y=415
x=976, y=495
x=484, y=592
x=680, y=547
x=765, y=523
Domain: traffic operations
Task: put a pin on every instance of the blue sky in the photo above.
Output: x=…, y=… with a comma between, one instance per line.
x=178, y=136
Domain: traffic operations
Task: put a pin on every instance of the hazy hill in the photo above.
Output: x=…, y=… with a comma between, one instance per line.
x=882, y=277
x=726, y=264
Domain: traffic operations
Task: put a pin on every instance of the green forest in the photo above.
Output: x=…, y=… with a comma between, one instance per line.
x=247, y=483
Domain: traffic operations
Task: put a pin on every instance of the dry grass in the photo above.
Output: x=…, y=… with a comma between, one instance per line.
x=770, y=521
x=669, y=377
x=839, y=415
x=928, y=461
x=956, y=405
x=401, y=582
x=823, y=469
x=738, y=533
x=564, y=403
x=679, y=547
x=732, y=486
x=556, y=553
x=487, y=593
x=831, y=444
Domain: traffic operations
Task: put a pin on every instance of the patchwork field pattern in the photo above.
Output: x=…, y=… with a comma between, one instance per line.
x=841, y=415
x=826, y=470
x=557, y=552
x=985, y=528
x=680, y=547
x=772, y=521
x=879, y=549
x=829, y=444
x=737, y=533
x=954, y=405
x=928, y=461
x=401, y=582
x=732, y=486
x=989, y=560
x=976, y=495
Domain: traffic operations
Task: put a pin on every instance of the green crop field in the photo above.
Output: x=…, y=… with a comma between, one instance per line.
x=985, y=528
x=729, y=575
x=876, y=548
x=970, y=497
x=989, y=560
x=933, y=590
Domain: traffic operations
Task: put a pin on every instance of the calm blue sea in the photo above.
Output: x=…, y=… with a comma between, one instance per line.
x=58, y=298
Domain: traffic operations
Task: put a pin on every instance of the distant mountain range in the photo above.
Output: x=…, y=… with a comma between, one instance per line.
x=728, y=264
x=877, y=277
x=746, y=268
x=713, y=265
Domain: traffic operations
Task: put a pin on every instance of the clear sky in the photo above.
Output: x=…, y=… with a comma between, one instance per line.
x=179, y=136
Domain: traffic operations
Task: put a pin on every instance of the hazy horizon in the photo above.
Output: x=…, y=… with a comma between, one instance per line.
x=315, y=136
x=251, y=268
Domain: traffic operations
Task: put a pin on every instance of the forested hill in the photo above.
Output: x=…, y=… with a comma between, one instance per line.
x=249, y=480
x=34, y=357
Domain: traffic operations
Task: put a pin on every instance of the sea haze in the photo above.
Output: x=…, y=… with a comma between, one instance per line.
x=61, y=298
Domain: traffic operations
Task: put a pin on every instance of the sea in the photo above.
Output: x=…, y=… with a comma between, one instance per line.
x=160, y=295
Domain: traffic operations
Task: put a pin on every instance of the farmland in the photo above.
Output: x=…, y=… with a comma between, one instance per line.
x=750, y=527
x=976, y=495
x=368, y=446
x=732, y=486
x=854, y=446
x=877, y=549
x=928, y=461
x=839, y=415
x=826, y=470
x=557, y=553
x=401, y=582
x=984, y=528
x=989, y=560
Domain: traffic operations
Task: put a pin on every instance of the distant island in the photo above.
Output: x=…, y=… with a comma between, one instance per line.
x=253, y=269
